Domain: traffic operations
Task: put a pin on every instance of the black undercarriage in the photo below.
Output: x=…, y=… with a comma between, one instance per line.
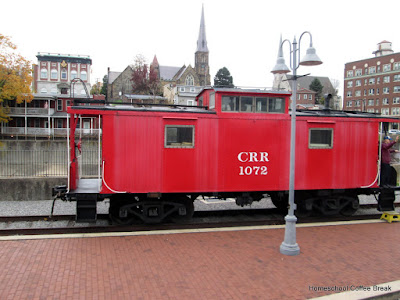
x=133, y=208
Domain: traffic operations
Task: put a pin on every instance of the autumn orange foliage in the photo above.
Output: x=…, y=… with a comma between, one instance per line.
x=15, y=77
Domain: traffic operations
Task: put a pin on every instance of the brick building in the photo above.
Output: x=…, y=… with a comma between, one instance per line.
x=373, y=84
x=56, y=79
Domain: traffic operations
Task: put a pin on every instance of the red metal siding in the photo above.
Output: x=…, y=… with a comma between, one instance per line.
x=132, y=152
x=252, y=136
x=351, y=163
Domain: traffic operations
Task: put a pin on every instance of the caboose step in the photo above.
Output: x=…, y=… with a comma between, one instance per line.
x=86, y=210
x=390, y=216
x=386, y=199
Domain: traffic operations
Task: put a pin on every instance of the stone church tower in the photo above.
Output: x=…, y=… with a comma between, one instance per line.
x=202, y=54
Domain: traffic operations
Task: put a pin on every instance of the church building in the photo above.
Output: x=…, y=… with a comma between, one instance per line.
x=180, y=85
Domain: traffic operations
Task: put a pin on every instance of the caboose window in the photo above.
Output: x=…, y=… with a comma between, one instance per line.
x=276, y=105
x=179, y=136
x=261, y=104
x=230, y=103
x=321, y=138
x=246, y=104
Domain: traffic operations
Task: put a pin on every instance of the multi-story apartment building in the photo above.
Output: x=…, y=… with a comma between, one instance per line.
x=54, y=72
x=53, y=87
x=373, y=84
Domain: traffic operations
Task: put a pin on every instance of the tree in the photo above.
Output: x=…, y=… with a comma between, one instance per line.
x=95, y=89
x=144, y=81
x=104, y=88
x=317, y=87
x=15, y=76
x=223, y=78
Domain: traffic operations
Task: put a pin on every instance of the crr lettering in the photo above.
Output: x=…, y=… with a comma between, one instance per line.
x=253, y=157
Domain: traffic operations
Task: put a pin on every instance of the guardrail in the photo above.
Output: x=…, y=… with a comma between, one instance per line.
x=45, y=132
x=44, y=163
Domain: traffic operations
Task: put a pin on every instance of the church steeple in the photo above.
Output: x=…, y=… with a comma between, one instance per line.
x=201, y=55
x=202, y=41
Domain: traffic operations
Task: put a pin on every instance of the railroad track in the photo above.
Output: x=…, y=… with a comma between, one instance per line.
x=59, y=224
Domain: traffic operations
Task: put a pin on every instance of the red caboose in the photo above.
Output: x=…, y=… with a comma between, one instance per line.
x=156, y=160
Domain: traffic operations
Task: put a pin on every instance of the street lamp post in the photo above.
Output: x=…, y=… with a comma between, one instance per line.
x=289, y=245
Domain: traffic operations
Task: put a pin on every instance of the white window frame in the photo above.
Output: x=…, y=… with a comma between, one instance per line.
x=83, y=75
x=60, y=105
x=54, y=74
x=43, y=73
x=387, y=67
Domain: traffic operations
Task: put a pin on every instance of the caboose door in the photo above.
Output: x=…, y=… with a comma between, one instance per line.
x=179, y=155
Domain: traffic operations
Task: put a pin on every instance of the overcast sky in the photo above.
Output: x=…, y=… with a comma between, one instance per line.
x=242, y=35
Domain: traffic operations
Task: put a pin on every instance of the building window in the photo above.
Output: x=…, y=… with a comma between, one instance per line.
x=386, y=90
x=179, y=136
x=350, y=73
x=385, y=111
x=396, y=100
x=385, y=101
x=310, y=97
x=54, y=74
x=181, y=89
x=43, y=73
x=358, y=93
x=190, y=102
x=350, y=84
x=189, y=80
x=349, y=103
x=396, y=66
x=358, y=72
x=396, y=111
x=83, y=75
x=371, y=102
x=358, y=82
x=349, y=94
x=320, y=138
x=192, y=90
x=59, y=123
x=396, y=89
x=396, y=77
x=386, y=68
x=59, y=105
x=305, y=97
x=64, y=74
x=43, y=91
x=372, y=70
x=371, y=91
x=371, y=81
x=74, y=74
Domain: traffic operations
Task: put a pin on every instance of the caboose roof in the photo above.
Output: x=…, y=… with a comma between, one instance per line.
x=344, y=114
x=245, y=90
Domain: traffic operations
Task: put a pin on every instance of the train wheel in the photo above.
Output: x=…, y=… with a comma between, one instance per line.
x=281, y=201
x=350, y=205
x=185, y=212
x=302, y=211
x=119, y=215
